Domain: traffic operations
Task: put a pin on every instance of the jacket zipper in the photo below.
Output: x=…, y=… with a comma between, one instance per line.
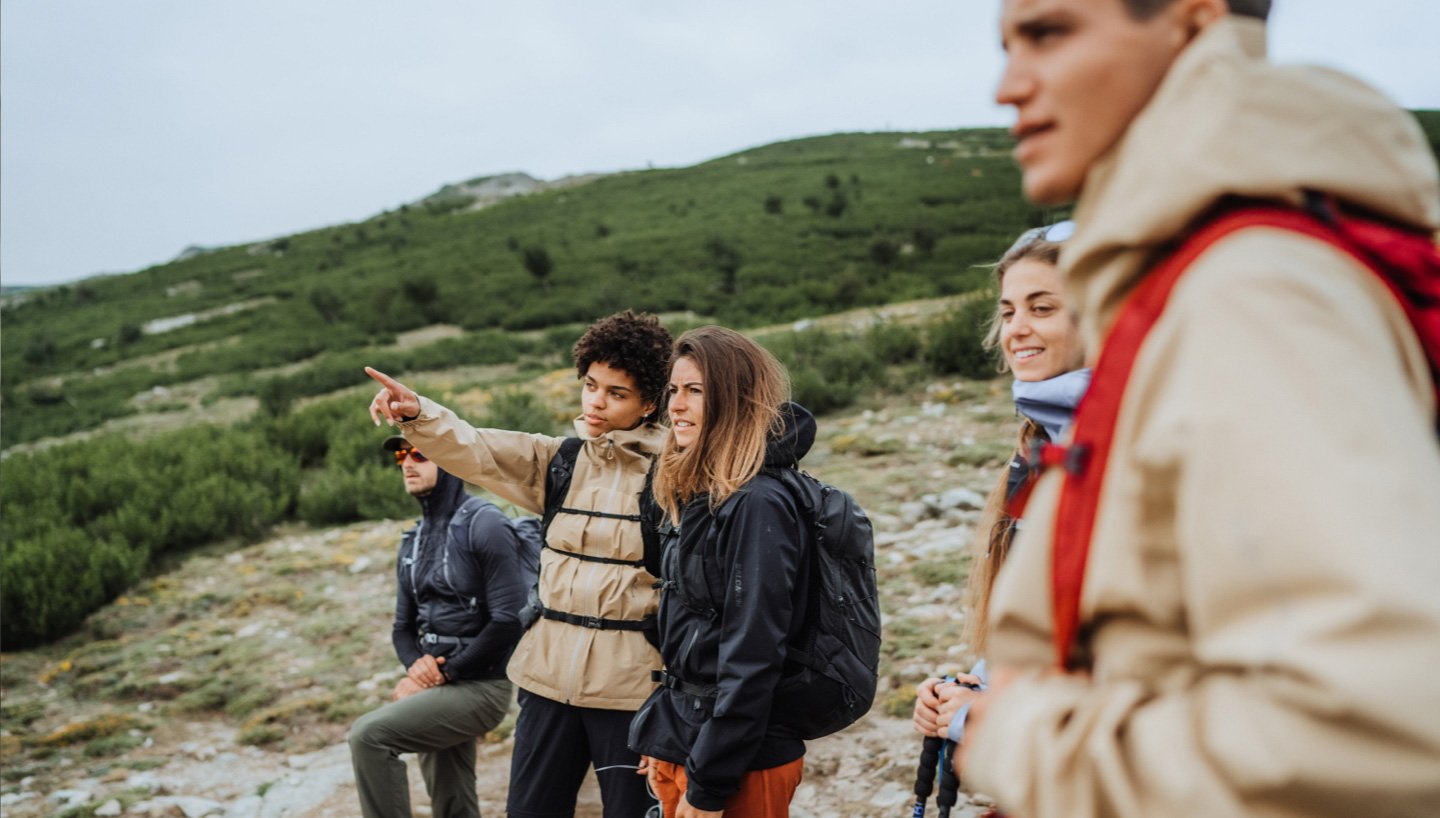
x=415, y=560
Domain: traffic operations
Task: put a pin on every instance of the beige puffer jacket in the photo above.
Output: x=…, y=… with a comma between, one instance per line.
x=607, y=669
x=1262, y=602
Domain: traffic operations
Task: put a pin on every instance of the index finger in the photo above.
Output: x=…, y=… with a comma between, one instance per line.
x=385, y=380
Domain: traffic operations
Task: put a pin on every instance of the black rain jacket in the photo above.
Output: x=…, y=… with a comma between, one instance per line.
x=461, y=577
x=735, y=584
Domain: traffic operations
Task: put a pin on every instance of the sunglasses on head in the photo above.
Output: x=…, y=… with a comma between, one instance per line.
x=1057, y=232
x=409, y=451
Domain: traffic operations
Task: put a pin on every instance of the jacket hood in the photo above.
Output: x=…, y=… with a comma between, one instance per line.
x=794, y=438
x=647, y=438
x=1226, y=122
x=448, y=494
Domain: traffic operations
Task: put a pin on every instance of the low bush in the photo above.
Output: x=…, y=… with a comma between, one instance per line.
x=519, y=410
x=828, y=370
x=894, y=343
x=343, y=496
x=955, y=345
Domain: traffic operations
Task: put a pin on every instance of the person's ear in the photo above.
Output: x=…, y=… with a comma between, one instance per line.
x=1198, y=15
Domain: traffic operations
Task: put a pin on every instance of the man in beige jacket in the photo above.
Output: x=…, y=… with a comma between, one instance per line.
x=1260, y=617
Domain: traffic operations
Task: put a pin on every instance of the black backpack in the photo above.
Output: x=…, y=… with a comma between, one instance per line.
x=527, y=533
x=532, y=539
x=833, y=666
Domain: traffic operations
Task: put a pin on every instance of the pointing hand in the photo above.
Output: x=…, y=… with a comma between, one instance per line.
x=394, y=402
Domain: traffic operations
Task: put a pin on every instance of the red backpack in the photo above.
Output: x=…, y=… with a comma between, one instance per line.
x=1406, y=261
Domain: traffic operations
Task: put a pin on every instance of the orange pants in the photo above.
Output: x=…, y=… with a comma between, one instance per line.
x=762, y=793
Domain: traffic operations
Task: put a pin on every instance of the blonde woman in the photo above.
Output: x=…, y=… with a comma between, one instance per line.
x=1039, y=342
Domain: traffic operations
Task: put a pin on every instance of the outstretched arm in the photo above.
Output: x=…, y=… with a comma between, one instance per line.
x=513, y=465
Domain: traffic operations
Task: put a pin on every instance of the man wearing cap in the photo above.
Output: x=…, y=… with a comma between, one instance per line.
x=462, y=576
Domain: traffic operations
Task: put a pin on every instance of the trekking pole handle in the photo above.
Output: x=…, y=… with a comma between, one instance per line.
x=949, y=791
x=930, y=750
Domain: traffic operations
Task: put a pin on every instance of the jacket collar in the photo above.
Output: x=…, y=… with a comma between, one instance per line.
x=647, y=439
x=440, y=504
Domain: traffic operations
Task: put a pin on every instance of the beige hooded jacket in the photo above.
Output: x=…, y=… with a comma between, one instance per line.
x=1261, y=610
x=586, y=667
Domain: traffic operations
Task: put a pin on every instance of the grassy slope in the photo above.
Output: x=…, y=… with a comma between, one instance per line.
x=698, y=239
x=660, y=240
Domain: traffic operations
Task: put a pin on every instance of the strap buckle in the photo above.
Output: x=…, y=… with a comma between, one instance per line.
x=1073, y=458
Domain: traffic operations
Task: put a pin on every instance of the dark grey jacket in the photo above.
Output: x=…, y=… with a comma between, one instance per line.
x=461, y=582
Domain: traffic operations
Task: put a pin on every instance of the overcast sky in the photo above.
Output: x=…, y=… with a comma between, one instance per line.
x=131, y=130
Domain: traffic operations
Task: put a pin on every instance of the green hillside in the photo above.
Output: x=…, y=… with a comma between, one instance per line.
x=474, y=307
x=775, y=233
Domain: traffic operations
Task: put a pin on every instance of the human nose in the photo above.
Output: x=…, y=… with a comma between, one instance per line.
x=1016, y=85
x=676, y=404
x=1019, y=325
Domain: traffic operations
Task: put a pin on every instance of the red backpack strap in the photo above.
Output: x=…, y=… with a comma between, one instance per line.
x=1406, y=262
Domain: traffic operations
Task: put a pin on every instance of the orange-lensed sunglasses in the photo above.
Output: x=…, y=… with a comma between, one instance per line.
x=409, y=451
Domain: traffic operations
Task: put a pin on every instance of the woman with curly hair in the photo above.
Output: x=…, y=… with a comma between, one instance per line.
x=583, y=668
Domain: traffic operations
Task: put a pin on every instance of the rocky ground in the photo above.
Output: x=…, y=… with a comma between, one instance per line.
x=225, y=686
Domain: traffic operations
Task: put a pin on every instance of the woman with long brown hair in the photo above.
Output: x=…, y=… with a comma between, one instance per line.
x=1038, y=341
x=735, y=581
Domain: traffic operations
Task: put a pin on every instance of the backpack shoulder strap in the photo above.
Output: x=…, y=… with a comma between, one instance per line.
x=557, y=481
x=794, y=482
x=1406, y=262
x=652, y=519
x=462, y=522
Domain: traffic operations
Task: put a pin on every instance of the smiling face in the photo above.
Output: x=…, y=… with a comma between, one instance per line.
x=687, y=402
x=1037, y=334
x=610, y=400
x=1077, y=73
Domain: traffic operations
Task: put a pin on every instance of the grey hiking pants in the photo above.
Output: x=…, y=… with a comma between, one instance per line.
x=441, y=724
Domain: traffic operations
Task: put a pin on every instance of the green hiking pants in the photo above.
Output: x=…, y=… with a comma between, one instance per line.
x=441, y=724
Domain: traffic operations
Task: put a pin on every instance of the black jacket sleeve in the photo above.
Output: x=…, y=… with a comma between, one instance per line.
x=495, y=551
x=762, y=546
x=404, y=632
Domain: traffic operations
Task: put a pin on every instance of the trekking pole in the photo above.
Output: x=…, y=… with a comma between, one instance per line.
x=949, y=782
x=930, y=752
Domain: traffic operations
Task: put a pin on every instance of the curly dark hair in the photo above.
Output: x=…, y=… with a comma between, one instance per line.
x=633, y=342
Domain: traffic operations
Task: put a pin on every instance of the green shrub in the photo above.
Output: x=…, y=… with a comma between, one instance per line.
x=343, y=496
x=86, y=520
x=894, y=343
x=956, y=344
x=518, y=410
x=828, y=370
x=55, y=579
x=884, y=251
